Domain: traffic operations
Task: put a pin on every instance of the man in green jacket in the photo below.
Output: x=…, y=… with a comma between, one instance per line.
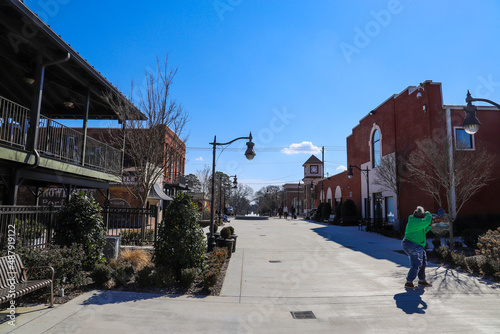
x=414, y=245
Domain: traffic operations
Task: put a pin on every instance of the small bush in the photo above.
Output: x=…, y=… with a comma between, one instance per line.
x=101, y=274
x=80, y=221
x=489, y=245
x=473, y=263
x=319, y=213
x=231, y=229
x=124, y=274
x=225, y=233
x=144, y=277
x=188, y=276
x=326, y=211
x=66, y=261
x=348, y=208
x=210, y=278
x=436, y=242
x=489, y=267
x=163, y=277
x=459, y=259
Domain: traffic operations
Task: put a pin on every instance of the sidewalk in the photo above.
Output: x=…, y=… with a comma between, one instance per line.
x=350, y=280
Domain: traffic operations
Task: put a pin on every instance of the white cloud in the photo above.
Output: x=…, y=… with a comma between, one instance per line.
x=304, y=147
x=342, y=168
x=199, y=159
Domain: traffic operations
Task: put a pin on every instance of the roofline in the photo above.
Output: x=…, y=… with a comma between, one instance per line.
x=25, y=10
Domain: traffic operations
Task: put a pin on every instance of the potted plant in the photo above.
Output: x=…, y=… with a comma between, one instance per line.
x=233, y=236
x=225, y=240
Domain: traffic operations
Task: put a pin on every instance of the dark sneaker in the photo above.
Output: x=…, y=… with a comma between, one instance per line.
x=410, y=286
x=424, y=284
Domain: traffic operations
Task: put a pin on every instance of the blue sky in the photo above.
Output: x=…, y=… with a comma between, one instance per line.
x=288, y=71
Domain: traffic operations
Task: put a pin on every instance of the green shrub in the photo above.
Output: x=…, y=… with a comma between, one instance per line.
x=66, y=261
x=489, y=267
x=319, y=213
x=163, y=277
x=180, y=241
x=101, y=274
x=459, y=259
x=29, y=229
x=80, y=221
x=225, y=233
x=473, y=263
x=214, y=263
x=123, y=274
x=338, y=213
x=489, y=245
x=188, y=276
x=326, y=211
x=210, y=278
x=144, y=277
x=348, y=208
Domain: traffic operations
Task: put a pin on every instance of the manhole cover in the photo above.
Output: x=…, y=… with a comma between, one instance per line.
x=303, y=315
x=274, y=261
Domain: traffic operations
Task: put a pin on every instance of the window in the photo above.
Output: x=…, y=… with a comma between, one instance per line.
x=463, y=140
x=376, y=152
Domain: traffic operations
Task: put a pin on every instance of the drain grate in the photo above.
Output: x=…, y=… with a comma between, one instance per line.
x=303, y=315
x=262, y=235
x=274, y=261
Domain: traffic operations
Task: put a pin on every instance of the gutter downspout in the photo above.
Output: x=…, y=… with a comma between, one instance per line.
x=36, y=107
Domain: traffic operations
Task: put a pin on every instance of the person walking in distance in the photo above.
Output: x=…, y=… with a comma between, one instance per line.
x=414, y=244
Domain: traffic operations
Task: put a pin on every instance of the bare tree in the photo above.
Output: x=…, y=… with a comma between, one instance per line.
x=154, y=146
x=240, y=198
x=441, y=170
x=387, y=177
x=267, y=199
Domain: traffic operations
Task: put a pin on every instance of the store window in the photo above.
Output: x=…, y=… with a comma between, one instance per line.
x=463, y=140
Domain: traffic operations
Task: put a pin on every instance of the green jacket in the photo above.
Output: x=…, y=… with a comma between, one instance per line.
x=417, y=229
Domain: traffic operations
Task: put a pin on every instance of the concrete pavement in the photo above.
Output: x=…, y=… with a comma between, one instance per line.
x=350, y=280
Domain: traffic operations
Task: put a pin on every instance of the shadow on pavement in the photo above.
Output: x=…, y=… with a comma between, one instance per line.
x=411, y=301
x=371, y=244
x=115, y=297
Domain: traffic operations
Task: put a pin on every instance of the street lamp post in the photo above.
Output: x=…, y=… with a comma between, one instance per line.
x=249, y=154
x=350, y=175
x=471, y=124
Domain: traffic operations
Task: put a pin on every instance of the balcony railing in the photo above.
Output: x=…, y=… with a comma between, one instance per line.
x=55, y=140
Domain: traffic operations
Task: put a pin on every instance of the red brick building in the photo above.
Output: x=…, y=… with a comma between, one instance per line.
x=393, y=128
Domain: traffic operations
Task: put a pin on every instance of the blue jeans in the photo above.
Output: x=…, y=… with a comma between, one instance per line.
x=418, y=260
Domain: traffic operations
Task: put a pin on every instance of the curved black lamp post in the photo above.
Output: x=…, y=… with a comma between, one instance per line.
x=471, y=124
x=350, y=175
x=249, y=154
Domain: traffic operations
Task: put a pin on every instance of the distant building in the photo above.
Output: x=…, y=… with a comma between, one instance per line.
x=393, y=128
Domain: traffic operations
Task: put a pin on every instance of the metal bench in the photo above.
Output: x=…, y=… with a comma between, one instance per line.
x=14, y=281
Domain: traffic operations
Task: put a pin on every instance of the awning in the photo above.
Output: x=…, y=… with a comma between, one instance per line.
x=157, y=193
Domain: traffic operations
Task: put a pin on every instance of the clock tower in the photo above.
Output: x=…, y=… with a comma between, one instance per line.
x=313, y=172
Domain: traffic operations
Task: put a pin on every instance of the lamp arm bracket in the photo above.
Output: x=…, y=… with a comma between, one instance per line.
x=230, y=142
x=486, y=100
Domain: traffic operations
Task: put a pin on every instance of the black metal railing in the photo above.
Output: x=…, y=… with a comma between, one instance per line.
x=56, y=140
x=135, y=226
x=33, y=226
x=27, y=226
